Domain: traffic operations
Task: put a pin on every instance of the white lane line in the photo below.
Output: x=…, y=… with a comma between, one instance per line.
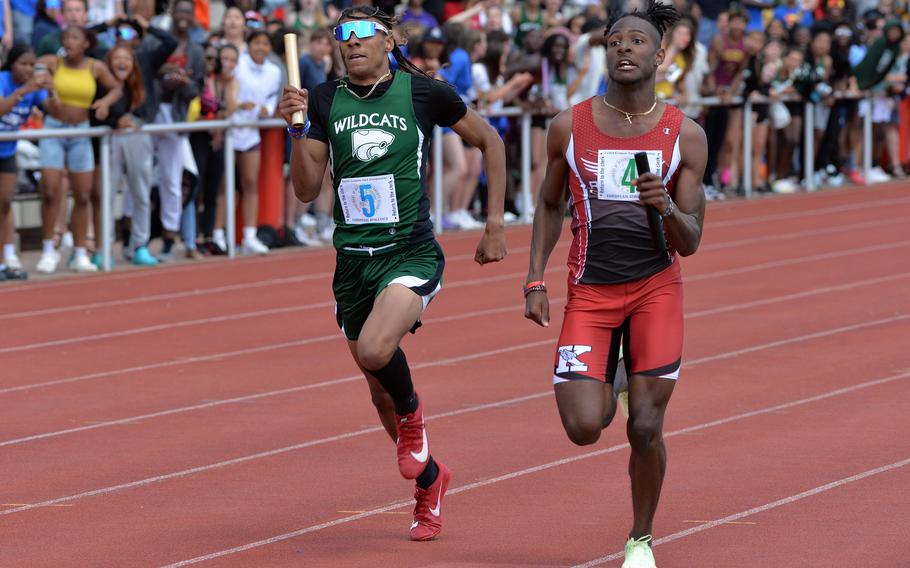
x=257, y=396
x=444, y=239
x=309, y=254
x=790, y=341
x=457, y=284
x=230, y=317
x=795, y=261
x=809, y=213
x=333, y=382
x=205, y=292
x=688, y=430
x=326, y=275
x=799, y=295
x=756, y=510
x=536, y=469
x=795, y=235
x=261, y=455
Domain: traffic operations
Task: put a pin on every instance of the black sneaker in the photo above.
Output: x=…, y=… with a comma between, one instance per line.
x=13, y=274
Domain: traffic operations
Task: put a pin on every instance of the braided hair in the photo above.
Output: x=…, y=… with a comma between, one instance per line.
x=371, y=13
x=661, y=16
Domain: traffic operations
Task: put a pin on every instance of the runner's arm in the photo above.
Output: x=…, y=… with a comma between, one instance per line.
x=551, y=204
x=476, y=131
x=308, y=157
x=684, y=225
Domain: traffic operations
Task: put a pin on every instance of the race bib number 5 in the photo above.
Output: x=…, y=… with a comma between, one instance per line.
x=616, y=171
x=368, y=200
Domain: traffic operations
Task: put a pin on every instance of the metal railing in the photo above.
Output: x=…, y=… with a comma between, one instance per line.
x=105, y=134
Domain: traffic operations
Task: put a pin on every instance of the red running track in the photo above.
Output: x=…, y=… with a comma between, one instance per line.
x=212, y=414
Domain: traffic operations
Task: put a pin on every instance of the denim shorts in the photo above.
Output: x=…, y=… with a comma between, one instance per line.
x=73, y=154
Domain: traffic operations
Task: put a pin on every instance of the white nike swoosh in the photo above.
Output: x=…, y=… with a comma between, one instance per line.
x=424, y=452
x=435, y=512
x=414, y=524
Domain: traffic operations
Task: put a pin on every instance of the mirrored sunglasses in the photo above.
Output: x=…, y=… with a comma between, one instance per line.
x=127, y=33
x=361, y=28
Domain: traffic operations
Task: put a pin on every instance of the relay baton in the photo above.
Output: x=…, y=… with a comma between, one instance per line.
x=654, y=221
x=293, y=63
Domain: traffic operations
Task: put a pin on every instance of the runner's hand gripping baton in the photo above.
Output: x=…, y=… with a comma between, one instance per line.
x=654, y=221
x=293, y=63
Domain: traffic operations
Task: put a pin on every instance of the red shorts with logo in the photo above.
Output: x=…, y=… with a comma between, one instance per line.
x=645, y=317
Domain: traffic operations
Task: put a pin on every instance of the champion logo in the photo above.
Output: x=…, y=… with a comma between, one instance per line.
x=666, y=131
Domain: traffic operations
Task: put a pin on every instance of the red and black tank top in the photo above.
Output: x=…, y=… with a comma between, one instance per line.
x=612, y=241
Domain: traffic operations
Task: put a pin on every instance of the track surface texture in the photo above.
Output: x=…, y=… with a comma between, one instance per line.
x=212, y=414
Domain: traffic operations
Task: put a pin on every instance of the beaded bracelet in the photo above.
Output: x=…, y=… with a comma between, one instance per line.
x=536, y=286
x=299, y=133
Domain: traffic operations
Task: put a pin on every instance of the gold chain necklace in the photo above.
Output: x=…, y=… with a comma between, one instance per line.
x=366, y=96
x=629, y=115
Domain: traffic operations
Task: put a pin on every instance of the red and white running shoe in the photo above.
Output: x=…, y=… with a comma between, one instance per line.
x=428, y=512
x=413, y=449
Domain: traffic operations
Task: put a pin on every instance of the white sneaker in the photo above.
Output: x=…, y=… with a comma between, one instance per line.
x=13, y=262
x=509, y=218
x=253, y=246
x=66, y=241
x=785, y=185
x=48, y=262
x=711, y=194
x=877, y=175
x=638, y=553
x=467, y=220
x=83, y=265
x=327, y=234
x=307, y=221
x=302, y=235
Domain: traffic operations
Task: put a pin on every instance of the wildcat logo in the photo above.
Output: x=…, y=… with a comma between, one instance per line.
x=371, y=143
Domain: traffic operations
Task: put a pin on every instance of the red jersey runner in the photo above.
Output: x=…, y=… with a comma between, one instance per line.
x=612, y=242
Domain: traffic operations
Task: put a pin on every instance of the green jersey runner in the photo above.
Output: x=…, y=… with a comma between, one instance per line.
x=373, y=128
x=377, y=147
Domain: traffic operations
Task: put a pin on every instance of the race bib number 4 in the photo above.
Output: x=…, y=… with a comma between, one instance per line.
x=368, y=200
x=616, y=171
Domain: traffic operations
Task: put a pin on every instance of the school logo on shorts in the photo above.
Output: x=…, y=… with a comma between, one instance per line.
x=568, y=359
x=371, y=143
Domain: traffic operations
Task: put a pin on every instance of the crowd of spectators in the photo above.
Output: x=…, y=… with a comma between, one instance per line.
x=125, y=63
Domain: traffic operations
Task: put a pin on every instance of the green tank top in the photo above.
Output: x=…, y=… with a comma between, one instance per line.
x=377, y=156
x=526, y=24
